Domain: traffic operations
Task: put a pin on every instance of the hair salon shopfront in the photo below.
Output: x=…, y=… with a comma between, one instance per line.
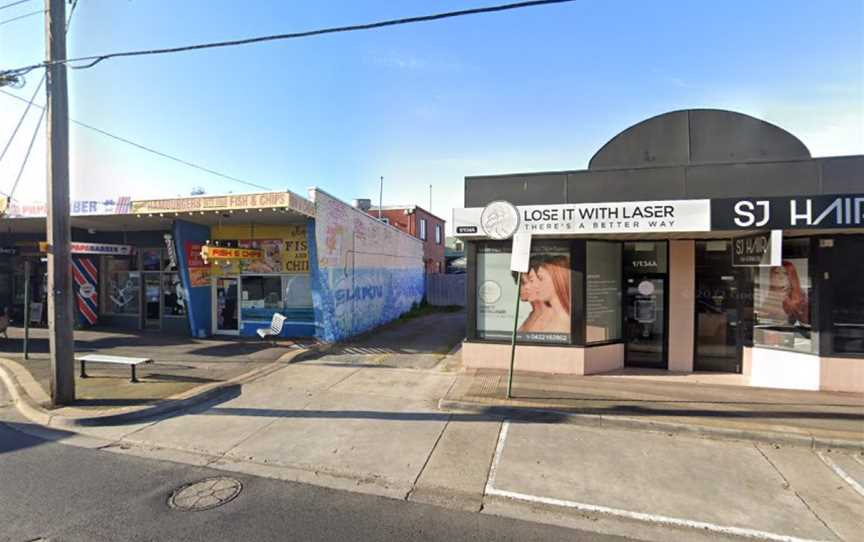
x=751, y=266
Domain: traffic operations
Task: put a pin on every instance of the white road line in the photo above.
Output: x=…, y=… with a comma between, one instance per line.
x=639, y=516
x=652, y=518
x=499, y=448
x=857, y=458
x=841, y=473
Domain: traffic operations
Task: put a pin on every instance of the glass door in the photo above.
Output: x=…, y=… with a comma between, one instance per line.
x=645, y=321
x=645, y=286
x=152, y=300
x=717, y=309
x=226, y=309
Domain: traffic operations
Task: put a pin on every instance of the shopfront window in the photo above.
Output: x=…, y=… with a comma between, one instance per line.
x=122, y=286
x=544, y=297
x=847, y=312
x=603, y=292
x=782, y=300
x=173, y=295
x=154, y=259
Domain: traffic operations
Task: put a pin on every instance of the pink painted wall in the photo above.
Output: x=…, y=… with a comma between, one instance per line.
x=842, y=374
x=544, y=359
x=682, y=298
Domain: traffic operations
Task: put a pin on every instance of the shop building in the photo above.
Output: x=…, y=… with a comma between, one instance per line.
x=420, y=223
x=698, y=240
x=219, y=265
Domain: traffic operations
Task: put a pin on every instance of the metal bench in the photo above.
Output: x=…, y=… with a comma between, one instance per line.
x=117, y=360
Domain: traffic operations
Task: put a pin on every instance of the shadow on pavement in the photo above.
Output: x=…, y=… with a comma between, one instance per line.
x=14, y=436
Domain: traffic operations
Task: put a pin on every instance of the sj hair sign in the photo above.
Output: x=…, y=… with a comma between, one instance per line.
x=788, y=213
x=595, y=218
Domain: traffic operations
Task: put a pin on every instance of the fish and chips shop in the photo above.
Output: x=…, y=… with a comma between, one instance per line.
x=696, y=241
x=217, y=265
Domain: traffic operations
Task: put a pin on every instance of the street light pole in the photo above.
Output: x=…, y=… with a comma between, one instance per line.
x=59, y=260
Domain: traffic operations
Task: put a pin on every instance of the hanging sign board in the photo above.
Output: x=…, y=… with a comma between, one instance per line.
x=93, y=248
x=521, y=253
x=587, y=218
x=762, y=249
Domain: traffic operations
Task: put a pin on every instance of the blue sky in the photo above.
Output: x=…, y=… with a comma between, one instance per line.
x=528, y=90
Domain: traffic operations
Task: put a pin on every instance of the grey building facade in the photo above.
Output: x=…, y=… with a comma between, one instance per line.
x=642, y=259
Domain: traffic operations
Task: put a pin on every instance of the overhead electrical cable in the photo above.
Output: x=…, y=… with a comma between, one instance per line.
x=23, y=116
x=18, y=18
x=12, y=4
x=148, y=149
x=27, y=155
x=32, y=99
x=96, y=59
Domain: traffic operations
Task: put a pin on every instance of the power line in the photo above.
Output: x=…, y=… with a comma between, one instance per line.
x=35, y=92
x=21, y=120
x=96, y=59
x=27, y=155
x=11, y=4
x=13, y=19
x=148, y=149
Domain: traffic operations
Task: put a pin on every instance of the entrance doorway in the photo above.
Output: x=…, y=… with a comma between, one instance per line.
x=645, y=300
x=152, y=300
x=718, y=309
x=226, y=309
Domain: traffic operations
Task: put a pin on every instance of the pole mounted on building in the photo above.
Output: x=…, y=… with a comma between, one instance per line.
x=380, y=196
x=59, y=260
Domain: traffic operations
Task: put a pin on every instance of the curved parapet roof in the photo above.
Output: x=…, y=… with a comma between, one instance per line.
x=698, y=136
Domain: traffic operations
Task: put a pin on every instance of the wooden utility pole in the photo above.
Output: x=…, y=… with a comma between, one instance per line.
x=59, y=232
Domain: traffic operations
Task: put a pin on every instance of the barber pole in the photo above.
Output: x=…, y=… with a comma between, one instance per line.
x=86, y=278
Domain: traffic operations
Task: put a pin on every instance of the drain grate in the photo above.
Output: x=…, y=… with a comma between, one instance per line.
x=205, y=494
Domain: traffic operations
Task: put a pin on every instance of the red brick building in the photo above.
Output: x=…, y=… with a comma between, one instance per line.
x=421, y=224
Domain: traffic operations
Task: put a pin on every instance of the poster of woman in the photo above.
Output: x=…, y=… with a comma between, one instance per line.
x=784, y=301
x=544, y=295
x=546, y=288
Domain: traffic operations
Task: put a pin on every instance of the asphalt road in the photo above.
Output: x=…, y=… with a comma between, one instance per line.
x=54, y=491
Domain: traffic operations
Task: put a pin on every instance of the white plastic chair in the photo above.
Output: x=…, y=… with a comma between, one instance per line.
x=275, y=328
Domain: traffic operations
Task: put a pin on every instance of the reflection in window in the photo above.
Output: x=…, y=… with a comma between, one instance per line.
x=603, y=292
x=781, y=297
x=121, y=286
x=847, y=313
x=173, y=295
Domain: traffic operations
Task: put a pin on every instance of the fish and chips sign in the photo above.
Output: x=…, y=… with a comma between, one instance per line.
x=210, y=252
x=231, y=202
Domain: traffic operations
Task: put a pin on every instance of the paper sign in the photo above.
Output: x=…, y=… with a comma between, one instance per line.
x=521, y=254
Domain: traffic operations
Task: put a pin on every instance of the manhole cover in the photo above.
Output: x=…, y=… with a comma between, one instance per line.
x=206, y=494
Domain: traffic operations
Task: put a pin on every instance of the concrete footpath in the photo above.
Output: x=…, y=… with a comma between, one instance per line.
x=366, y=419
x=701, y=403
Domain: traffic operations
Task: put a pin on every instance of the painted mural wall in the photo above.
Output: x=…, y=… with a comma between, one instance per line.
x=364, y=273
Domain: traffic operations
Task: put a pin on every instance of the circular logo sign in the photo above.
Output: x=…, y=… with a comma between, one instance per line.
x=489, y=292
x=500, y=220
x=646, y=287
x=87, y=290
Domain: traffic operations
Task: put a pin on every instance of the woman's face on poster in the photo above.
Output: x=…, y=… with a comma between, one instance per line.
x=545, y=286
x=528, y=291
x=780, y=278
